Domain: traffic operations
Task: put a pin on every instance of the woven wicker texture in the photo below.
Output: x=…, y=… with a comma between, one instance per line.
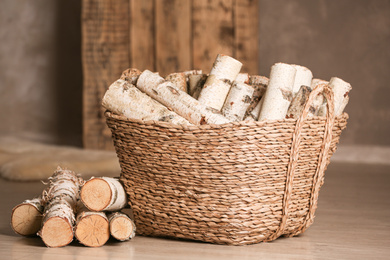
x=237, y=183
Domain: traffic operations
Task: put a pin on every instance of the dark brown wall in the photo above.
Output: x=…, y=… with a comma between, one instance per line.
x=41, y=78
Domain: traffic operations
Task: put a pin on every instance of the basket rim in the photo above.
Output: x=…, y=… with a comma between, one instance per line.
x=110, y=114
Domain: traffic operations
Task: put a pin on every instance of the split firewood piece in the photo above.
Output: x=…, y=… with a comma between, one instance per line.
x=125, y=99
x=196, y=83
x=278, y=95
x=298, y=103
x=303, y=77
x=92, y=228
x=341, y=90
x=103, y=194
x=131, y=75
x=179, y=80
x=238, y=101
x=243, y=78
x=260, y=84
x=26, y=218
x=224, y=71
x=319, y=101
x=59, y=218
x=179, y=101
x=122, y=227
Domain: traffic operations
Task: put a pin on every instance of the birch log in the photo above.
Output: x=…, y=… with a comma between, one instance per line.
x=131, y=75
x=179, y=80
x=298, y=103
x=26, y=218
x=224, y=71
x=196, y=83
x=103, y=194
x=125, y=99
x=91, y=228
x=238, y=101
x=59, y=218
x=260, y=84
x=243, y=78
x=122, y=227
x=319, y=102
x=278, y=95
x=177, y=100
x=341, y=90
x=303, y=77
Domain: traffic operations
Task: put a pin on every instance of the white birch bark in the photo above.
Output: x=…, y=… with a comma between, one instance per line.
x=298, y=103
x=224, y=71
x=122, y=227
x=103, y=194
x=242, y=78
x=260, y=84
x=131, y=75
x=341, y=90
x=319, y=102
x=61, y=197
x=179, y=101
x=26, y=217
x=303, y=77
x=238, y=101
x=125, y=99
x=278, y=95
x=179, y=80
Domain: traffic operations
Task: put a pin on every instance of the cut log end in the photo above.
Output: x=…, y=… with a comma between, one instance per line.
x=96, y=194
x=122, y=228
x=92, y=230
x=26, y=220
x=56, y=232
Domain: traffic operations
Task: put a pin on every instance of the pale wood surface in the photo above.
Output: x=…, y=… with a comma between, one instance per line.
x=352, y=222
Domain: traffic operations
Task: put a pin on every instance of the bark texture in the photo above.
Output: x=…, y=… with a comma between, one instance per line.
x=238, y=101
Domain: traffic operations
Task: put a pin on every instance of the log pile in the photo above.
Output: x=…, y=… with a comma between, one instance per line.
x=70, y=207
x=222, y=96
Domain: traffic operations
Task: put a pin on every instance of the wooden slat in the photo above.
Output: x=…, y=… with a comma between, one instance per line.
x=105, y=55
x=173, y=32
x=246, y=24
x=213, y=31
x=142, y=46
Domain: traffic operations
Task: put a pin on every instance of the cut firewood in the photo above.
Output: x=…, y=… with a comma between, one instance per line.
x=196, y=83
x=303, y=77
x=26, y=218
x=103, y=194
x=131, y=75
x=278, y=95
x=92, y=228
x=243, y=78
x=125, y=99
x=177, y=100
x=341, y=90
x=179, y=80
x=188, y=73
x=122, y=227
x=238, y=101
x=59, y=218
x=260, y=84
x=224, y=71
x=319, y=100
x=298, y=103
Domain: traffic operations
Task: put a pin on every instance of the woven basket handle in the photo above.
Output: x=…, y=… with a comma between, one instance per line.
x=294, y=155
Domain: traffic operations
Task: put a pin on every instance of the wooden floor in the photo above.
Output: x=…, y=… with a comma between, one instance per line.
x=352, y=222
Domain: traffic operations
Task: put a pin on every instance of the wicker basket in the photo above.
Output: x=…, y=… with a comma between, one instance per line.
x=236, y=183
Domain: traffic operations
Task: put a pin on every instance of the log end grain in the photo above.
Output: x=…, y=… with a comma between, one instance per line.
x=96, y=194
x=92, y=230
x=26, y=219
x=122, y=228
x=57, y=232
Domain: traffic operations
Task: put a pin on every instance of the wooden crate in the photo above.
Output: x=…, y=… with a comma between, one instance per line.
x=159, y=35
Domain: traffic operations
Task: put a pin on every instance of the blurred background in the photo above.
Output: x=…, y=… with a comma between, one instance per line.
x=41, y=65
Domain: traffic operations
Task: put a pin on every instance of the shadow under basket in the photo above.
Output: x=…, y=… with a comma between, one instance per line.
x=237, y=183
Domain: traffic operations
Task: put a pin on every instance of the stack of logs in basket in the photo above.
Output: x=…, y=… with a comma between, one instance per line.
x=222, y=96
x=70, y=207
